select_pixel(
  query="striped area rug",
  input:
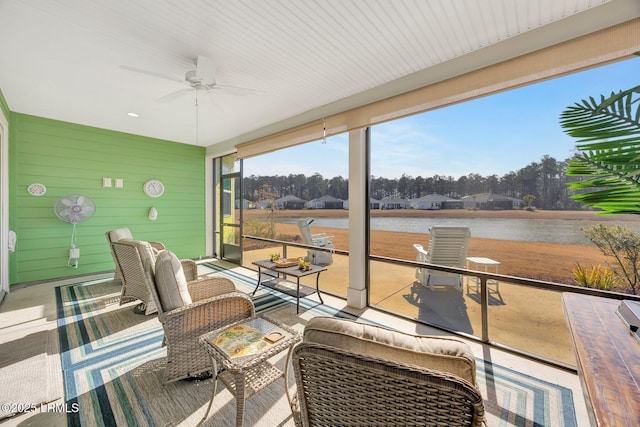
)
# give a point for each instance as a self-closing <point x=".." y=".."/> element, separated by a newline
<point x="113" y="362"/>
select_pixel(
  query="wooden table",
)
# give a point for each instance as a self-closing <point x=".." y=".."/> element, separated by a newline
<point x="294" y="289"/>
<point x="608" y="359"/>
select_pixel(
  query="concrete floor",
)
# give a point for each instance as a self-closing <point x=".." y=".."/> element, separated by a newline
<point x="29" y="310"/>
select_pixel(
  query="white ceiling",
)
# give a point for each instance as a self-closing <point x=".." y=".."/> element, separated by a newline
<point x="304" y="59"/>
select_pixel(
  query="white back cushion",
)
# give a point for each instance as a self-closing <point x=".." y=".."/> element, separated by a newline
<point x="171" y="282"/>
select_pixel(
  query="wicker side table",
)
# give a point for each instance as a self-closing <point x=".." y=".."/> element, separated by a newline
<point x="239" y="355"/>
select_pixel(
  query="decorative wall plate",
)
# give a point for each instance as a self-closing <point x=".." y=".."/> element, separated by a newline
<point x="36" y="189"/>
<point x="153" y="188"/>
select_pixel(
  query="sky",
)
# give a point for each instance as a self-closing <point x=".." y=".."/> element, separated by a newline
<point x="495" y="134"/>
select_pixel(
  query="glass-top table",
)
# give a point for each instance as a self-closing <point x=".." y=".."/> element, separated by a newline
<point x="240" y="353"/>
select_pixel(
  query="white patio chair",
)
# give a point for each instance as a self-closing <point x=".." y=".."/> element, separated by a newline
<point x="447" y="247"/>
<point x="320" y="240"/>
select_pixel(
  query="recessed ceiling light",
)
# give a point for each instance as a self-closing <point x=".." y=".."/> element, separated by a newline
<point x="132" y="115"/>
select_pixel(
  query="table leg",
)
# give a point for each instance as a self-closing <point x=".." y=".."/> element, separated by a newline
<point x="259" y="279"/>
<point x="290" y="399"/>
<point x="215" y="389"/>
<point x="474" y="279"/>
<point x="286" y="375"/>
<point x="318" y="288"/>
<point x="298" y="296"/>
<point x="239" y="380"/>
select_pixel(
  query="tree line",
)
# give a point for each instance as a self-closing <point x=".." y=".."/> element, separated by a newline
<point x="546" y="180"/>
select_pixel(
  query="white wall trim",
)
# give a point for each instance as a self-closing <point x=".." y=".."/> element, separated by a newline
<point x="4" y="203"/>
<point x="208" y="208"/>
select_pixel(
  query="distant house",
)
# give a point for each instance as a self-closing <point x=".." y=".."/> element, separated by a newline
<point x="429" y="202"/>
<point x="517" y="203"/>
<point x="325" y="202"/>
<point x="314" y="204"/>
<point x="264" y="204"/>
<point x="453" y="204"/>
<point x="289" y="202"/>
<point x="373" y="204"/>
<point x="246" y="204"/>
<point x="487" y="201"/>
<point x="390" y="202"/>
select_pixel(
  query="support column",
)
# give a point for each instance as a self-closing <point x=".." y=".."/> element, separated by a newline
<point x="211" y="246"/>
<point x="358" y="205"/>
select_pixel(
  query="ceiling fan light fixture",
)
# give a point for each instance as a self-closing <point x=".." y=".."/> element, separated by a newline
<point x="197" y="82"/>
<point x="190" y="76"/>
<point x="133" y="115"/>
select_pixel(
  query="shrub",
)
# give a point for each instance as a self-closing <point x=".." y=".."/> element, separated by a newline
<point x="289" y="238"/>
<point x="597" y="277"/>
<point x="257" y="228"/>
<point x="623" y="247"/>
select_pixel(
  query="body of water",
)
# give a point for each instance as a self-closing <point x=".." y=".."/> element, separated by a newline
<point x="532" y="230"/>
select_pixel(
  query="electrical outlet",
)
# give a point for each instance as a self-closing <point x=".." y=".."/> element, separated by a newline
<point x="74" y="253"/>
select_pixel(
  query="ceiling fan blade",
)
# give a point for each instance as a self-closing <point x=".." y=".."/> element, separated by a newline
<point x="212" y="103"/>
<point x="151" y="73"/>
<point x="174" y="95"/>
<point x="235" y="90"/>
<point x="205" y="69"/>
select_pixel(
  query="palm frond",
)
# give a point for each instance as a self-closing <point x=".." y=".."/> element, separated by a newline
<point x="615" y="97"/>
<point x="616" y="126"/>
<point x="608" y="136"/>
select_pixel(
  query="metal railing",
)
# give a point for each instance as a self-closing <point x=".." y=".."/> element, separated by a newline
<point x="483" y="278"/>
<point x="295" y="245"/>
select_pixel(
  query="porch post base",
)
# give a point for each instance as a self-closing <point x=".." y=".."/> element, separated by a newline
<point x="356" y="298"/>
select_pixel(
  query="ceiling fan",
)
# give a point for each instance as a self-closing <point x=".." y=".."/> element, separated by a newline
<point x="202" y="79"/>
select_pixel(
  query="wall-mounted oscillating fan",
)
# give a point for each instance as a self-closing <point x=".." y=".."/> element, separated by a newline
<point x="74" y="208"/>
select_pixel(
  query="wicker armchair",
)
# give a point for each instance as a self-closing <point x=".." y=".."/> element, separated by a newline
<point x="351" y="374"/>
<point x="133" y="291"/>
<point x="186" y="309"/>
<point x="189" y="310"/>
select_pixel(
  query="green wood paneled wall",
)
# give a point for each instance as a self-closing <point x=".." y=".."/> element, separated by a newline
<point x="72" y="159"/>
